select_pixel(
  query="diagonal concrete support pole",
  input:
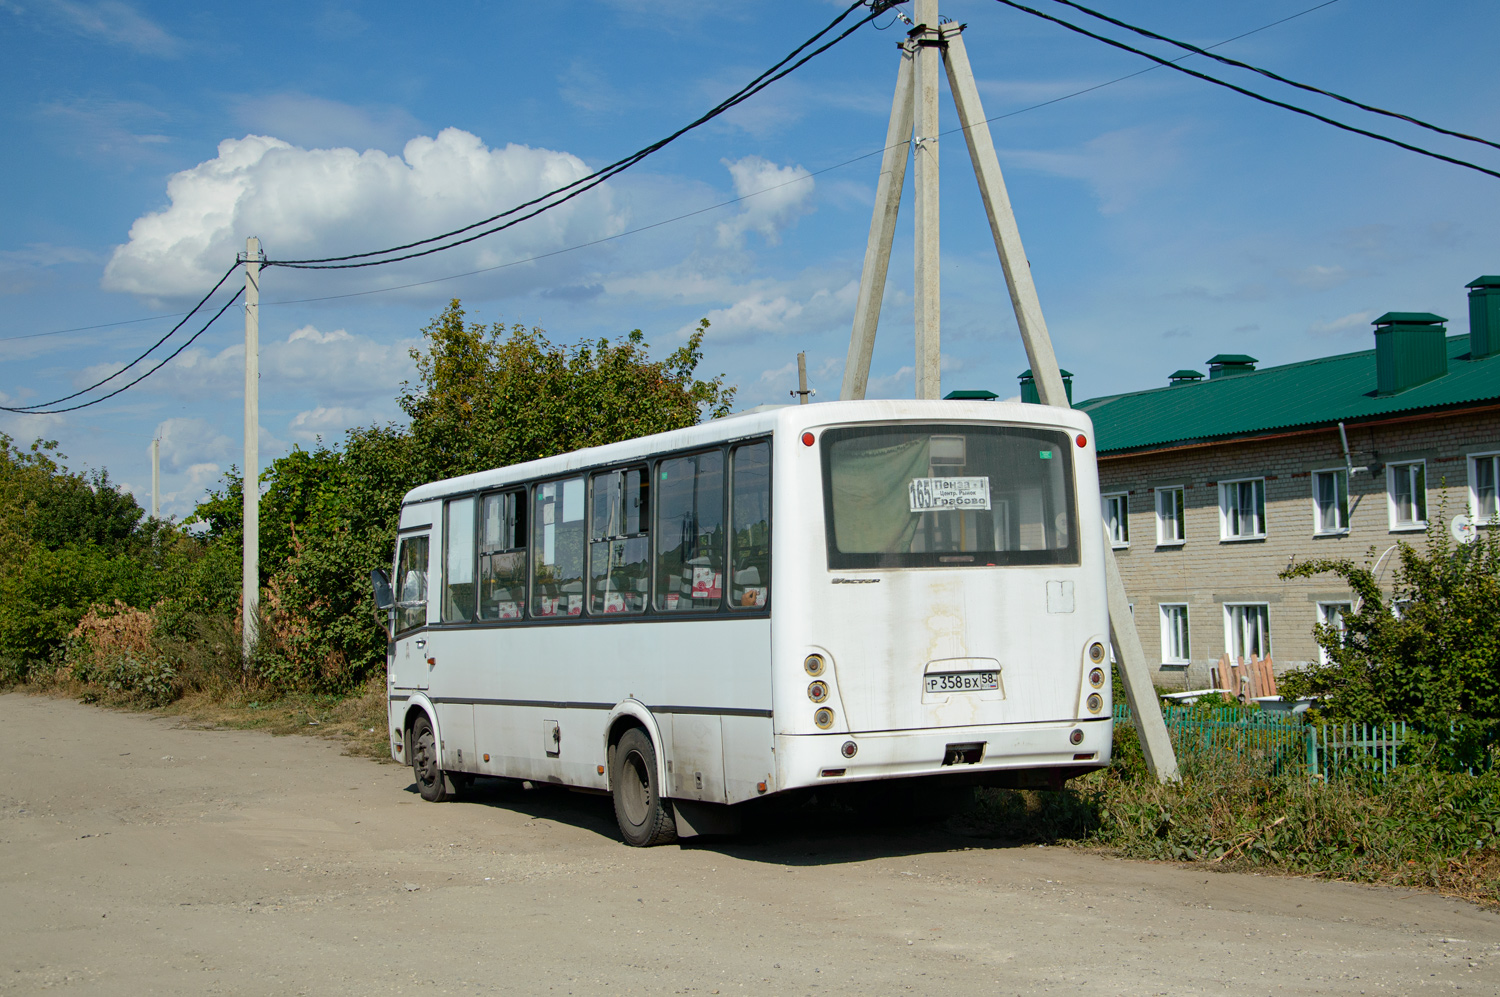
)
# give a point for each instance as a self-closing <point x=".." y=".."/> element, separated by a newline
<point x="1145" y="709"/>
<point x="882" y="230"/>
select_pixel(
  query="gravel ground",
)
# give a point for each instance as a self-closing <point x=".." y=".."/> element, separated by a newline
<point x="140" y="857"/>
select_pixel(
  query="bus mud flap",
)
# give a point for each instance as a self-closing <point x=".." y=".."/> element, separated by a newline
<point x="695" y="817"/>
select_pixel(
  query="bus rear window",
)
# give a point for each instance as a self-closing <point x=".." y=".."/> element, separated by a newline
<point x="948" y="496"/>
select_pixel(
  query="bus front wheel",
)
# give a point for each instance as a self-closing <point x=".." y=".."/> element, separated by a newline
<point x="432" y="782"/>
<point x="644" y="817"/>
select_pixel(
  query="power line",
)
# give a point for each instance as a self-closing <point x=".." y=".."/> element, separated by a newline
<point x="88" y="328"/>
<point x="1252" y="94"/>
<point x="31" y="409"/>
<point x="1280" y="79"/>
<point x="586" y="183"/>
<point x="143" y="356"/>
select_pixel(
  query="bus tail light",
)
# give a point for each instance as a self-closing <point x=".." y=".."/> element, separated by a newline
<point x="814" y="664"/>
<point x="817" y="691"/>
<point x="850" y="749"/>
<point x="1096" y="652"/>
<point x="823" y="718"/>
<point x="1096" y="678"/>
<point x="1076" y="737"/>
<point x="1095" y="702"/>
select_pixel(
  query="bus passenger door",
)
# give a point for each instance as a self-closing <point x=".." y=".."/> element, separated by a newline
<point x="408" y="667"/>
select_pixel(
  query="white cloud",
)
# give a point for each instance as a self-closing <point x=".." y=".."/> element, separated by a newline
<point x="190" y="442"/>
<point x="779" y="313"/>
<point x="118" y="24"/>
<point x="320" y="202"/>
<point x="1118" y="165"/>
<point x="316" y="122"/>
<point x="1317" y="277"/>
<point x="776" y="196"/>
<point x="1353" y="322"/>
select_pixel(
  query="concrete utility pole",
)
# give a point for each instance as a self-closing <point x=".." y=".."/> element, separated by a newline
<point x="801" y="391"/>
<point x="250" y="576"/>
<point x="156" y="479"/>
<point x="929" y="54"/>
<point x="930" y="41"/>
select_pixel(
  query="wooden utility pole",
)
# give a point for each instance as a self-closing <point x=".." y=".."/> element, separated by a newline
<point x="929" y="42"/>
<point x="801" y="391"/>
<point x="250" y="574"/>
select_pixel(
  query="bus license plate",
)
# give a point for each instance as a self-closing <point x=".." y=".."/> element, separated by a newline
<point x="963" y="681"/>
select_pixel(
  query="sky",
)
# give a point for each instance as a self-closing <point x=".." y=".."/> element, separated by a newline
<point x="1165" y="219"/>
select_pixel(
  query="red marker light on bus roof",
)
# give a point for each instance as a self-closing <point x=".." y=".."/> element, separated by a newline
<point x="1083" y="441"/>
<point x="807" y="439"/>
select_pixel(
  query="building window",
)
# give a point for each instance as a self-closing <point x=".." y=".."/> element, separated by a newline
<point x="1247" y="630"/>
<point x="1242" y="509"/>
<point x="1174" y="634"/>
<point x="1117" y="518"/>
<point x="1484" y="472"/>
<point x="1171" y="516"/>
<point x="1331" y="614"/>
<point x="1406" y="486"/>
<point x="1330" y="501"/>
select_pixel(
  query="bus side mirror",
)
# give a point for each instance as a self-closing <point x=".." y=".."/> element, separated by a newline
<point x="381" y="582"/>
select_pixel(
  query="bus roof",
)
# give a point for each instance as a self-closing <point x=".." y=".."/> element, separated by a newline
<point x="790" y="419"/>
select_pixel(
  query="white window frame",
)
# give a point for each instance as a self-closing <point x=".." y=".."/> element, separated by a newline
<point x="1391" y="470"/>
<point x="1163" y="539"/>
<point x="1229" y="629"/>
<point x="1224" y="515"/>
<point x="1118" y="539"/>
<point x="1167" y="613"/>
<point x="1324" y="614"/>
<point x="1318" y="530"/>
<point x="1492" y="457"/>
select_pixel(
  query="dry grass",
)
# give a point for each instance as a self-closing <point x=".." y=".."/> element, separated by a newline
<point x="358" y="721"/>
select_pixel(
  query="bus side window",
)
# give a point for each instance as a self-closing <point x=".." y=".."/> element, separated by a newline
<point x="557" y="539"/>
<point x="458" y="561"/>
<point x="690" y="532"/>
<point x="619" y="547"/>
<point x="502" y="556"/>
<point x="750" y="526"/>
<point x="411" y="584"/>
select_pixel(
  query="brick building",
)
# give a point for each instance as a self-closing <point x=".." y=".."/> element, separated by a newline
<point x="1213" y="485"/>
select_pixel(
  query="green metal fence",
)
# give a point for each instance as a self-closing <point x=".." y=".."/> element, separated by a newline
<point x="1281" y="741"/>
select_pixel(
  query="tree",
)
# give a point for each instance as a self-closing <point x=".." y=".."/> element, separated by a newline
<point x="1430" y="653"/>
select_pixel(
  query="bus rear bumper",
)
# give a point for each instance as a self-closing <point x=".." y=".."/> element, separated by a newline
<point x="1036" y="754"/>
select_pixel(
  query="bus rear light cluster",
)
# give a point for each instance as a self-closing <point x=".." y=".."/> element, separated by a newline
<point x="814" y="664"/>
<point x="1095" y="702"/>
<point x="850" y="749"/>
<point x="817" y="691"/>
<point x="823" y="718"/>
<point x="1096" y="678"/>
<point x="1096" y="652"/>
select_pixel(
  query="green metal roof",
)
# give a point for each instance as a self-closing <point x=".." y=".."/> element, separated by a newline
<point x="1317" y="392"/>
<point x="1232" y="358"/>
<point x="1409" y="318"/>
<point x="1187" y="375"/>
<point x="1027" y="373"/>
<point x="1490" y="281"/>
<point x="971" y="394"/>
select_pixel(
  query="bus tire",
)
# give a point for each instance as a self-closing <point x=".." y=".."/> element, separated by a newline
<point x="645" y="818"/>
<point x="432" y="781"/>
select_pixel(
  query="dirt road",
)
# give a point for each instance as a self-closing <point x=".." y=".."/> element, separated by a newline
<point x="138" y="858"/>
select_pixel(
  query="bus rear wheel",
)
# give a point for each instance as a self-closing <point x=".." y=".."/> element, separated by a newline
<point x="432" y="781"/>
<point x="645" y="818"/>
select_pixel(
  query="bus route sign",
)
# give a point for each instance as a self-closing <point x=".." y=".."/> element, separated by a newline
<point x="943" y="494"/>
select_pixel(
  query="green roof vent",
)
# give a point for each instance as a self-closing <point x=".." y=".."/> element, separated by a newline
<point x="1230" y="365"/>
<point x="1410" y="349"/>
<point x="1484" y="317"/>
<point x="1028" y="386"/>
<point x="1184" y="376"/>
<point x="971" y="396"/>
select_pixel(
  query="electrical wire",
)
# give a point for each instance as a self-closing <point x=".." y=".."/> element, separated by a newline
<point x="1252" y="94"/>
<point x="588" y="182"/>
<point x="143" y="356"/>
<point x="30" y="410"/>
<point x="1280" y="79"/>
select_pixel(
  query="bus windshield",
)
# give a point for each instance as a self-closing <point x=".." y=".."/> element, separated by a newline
<point x="948" y="496"/>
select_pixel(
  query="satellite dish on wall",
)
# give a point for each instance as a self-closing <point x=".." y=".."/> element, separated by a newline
<point x="1463" y="529"/>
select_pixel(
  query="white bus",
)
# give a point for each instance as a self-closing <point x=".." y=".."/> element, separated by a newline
<point x="817" y="595"/>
